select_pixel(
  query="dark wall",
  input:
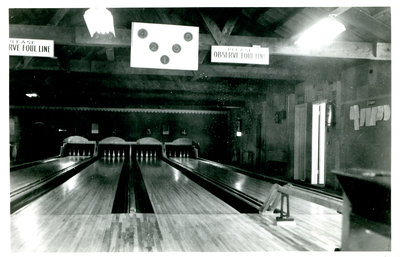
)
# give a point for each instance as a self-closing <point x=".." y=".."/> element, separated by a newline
<point x="39" y="135"/>
<point x="265" y="130"/>
<point x="366" y="85"/>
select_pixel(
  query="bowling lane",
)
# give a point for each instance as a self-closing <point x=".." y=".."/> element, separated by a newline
<point x="171" y="192"/>
<point x="25" y="176"/>
<point x="91" y="191"/>
<point x="256" y="188"/>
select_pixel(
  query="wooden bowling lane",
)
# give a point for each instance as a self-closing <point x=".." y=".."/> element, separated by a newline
<point x="31" y="233"/>
<point x="26" y="176"/>
<point x="256" y="188"/>
<point x="91" y="191"/>
<point x="172" y="192"/>
<point x="259" y="189"/>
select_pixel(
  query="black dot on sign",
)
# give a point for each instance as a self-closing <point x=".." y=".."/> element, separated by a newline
<point x="176" y="48"/>
<point x="188" y="36"/>
<point x="164" y="59"/>
<point x="142" y="33"/>
<point x="153" y="46"/>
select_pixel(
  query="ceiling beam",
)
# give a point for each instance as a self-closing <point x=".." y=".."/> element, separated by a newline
<point x="54" y="21"/>
<point x="205" y="71"/>
<point x="363" y="21"/>
<point x="58" y="16"/>
<point x="228" y="28"/>
<point x="167" y="17"/>
<point x="339" y="11"/>
<point x="212" y="27"/>
<point x="220" y="37"/>
<point x="126" y="84"/>
<point x="277" y="46"/>
<point x="202" y="56"/>
<point x="289" y="14"/>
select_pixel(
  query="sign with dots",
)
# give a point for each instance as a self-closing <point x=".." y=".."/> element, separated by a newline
<point x="160" y="46"/>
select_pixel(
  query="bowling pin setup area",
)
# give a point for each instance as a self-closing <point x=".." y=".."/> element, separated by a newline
<point x="121" y="196"/>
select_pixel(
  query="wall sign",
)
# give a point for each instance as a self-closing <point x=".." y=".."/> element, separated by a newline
<point x="162" y="46"/>
<point x="240" y="54"/>
<point x="31" y="47"/>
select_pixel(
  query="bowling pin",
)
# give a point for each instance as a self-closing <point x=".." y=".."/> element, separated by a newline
<point x="84" y="154"/>
<point x="70" y="152"/>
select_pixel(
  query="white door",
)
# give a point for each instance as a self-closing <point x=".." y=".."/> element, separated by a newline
<point x="318" y="143"/>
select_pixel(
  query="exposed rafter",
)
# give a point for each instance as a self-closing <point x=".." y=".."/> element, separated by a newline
<point x="79" y="36"/>
<point x="220" y="37"/>
<point x="205" y="71"/>
<point x="363" y="21"/>
<point x="54" y="21"/>
<point x="212" y="27"/>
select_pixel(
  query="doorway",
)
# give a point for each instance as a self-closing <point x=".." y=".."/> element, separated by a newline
<point x="318" y="143"/>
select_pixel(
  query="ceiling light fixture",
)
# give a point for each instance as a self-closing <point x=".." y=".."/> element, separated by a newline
<point x="99" y="20"/>
<point x="320" y="34"/>
<point x="32" y="95"/>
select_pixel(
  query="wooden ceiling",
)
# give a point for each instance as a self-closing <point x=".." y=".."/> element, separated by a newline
<point x="96" y="72"/>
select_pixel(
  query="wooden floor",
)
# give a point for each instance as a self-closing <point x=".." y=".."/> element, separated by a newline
<point x="25" y="176"/>
<point x="91" y="191"/>
<point x="187" y="219"/>
<point x="172" y="232"/>
<point x="259" y="189"/>
<point x="172" y="192"/>
<point x="256" y="188"/>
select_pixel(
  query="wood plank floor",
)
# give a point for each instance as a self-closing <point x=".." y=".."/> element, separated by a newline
<point x="91" y="191"/>
<point x="203" y="223"/>
<point x="172" y="232"/>
<point x="172" y="192"/>
<point x="22" y="177"/>
<point x="256" y="188"/>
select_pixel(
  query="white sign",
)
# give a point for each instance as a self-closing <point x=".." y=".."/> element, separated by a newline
<point x="31" y="47"/>
<point x="164" y="46"/>
<point x="240" y="54"/>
